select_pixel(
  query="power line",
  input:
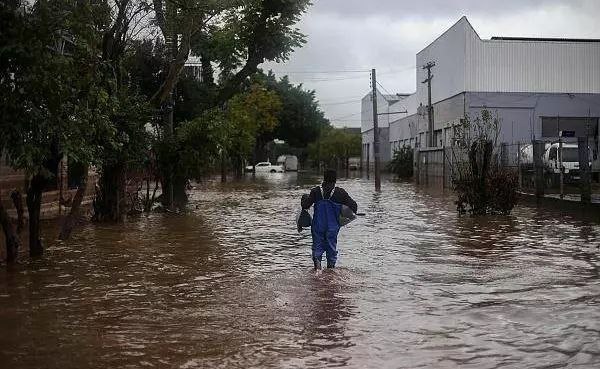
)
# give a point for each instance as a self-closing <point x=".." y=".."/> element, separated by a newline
<point x="346" y="116"/>
<point x="340" y="71"/>
<point x="331" y="79"/>
<point x="341" y="102"/>
<point x="384" y="89"/>
<point x="326" y="101"/>
<point x="322" y="71"/>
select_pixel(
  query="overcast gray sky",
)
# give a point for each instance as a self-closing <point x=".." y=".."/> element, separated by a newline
<point x="350" y="35"/>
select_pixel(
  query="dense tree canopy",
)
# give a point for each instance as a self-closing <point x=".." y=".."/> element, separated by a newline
<point x="301" y="119"/>
<point x="104" y="84"/>
<point x="334" y="147"/>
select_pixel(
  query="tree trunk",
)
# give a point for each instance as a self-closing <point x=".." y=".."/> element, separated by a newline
<point x="150" y="200"/>
<point x="239" y="167"/>
<point x="17" y="199"/>
<point x="74" y="215"/>
<point x="180" y="197"/>
<point x="34" y="204"/>
<point x="223" y="168"/>
<point x="110" y="204"/>
<point x="12" y="240"/>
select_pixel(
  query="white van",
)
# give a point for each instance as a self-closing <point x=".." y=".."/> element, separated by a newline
<point x="289" y="162"/>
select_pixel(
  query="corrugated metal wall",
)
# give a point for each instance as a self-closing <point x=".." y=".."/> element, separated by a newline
<point x="532" y="66"/>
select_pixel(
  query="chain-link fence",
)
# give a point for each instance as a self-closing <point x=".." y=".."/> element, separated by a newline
<point x="567" y="169"/>
<point x="555" y="168"/>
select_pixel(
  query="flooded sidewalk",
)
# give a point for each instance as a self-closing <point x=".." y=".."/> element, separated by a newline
<point x="231" y="285"/>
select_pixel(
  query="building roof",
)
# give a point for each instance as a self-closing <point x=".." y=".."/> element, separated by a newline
<point x="543" y="39"/>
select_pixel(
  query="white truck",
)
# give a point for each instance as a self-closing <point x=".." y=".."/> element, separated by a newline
<point x="551" y="159"/>
<point x="289" y="162"/>
<point x="265" y="167"/>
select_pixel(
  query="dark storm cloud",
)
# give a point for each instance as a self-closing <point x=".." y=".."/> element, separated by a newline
<point x="386" y="34"/>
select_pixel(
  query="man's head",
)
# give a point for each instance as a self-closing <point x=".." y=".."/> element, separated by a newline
<point x="329" y="176"/>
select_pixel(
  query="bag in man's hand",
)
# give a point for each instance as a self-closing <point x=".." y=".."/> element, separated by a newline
<point x="303" y="219"/>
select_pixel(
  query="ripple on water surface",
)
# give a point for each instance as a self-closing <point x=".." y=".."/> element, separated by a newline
<point x="230" y="285"/>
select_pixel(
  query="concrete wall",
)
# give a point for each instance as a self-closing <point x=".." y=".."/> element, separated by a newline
<point x="385" y="104"/>
<point x="11" y="179"/>
<point x="447" y="113"/>
<point x="532" y="66"/>
<point x="465" y="62"/>
<point x="520" y="114"/>
<point x="449" y="73"/>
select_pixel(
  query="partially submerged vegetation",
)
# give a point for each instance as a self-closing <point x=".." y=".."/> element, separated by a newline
<point x="104" y="85"/>
<point x="402" y="163"/>
<point x="482" y="186"/>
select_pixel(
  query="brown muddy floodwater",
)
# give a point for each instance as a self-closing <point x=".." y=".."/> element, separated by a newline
<point x="229" y="285"/>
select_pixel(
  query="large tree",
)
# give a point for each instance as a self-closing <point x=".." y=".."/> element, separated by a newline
<point x="54" y="104"/>
<point x="301" y="118"/>
<point x="126" y="149"/>
<point x="231" y="38"/>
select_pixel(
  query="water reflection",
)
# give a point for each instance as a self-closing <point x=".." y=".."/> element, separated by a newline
<point x="230" y="285"/>
<point x="328" y="310"/>
<point x="486" y="237"/>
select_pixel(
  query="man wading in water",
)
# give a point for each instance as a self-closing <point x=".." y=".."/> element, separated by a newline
<point x="328" y="200"/>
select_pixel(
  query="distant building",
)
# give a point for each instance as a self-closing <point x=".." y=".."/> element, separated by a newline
<point x="193" y="68"/>
<point x="537" y="86"/>
<point x="386" y="105"/>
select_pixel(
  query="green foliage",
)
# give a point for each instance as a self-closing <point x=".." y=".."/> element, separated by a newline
<point x="198" y="144"/>
<point x="251" y="32"/>
<point x="334" y="147"/>
<point x="54" y="101"/>
<point x="402" y="163"/>
<point x="301" y="119"/>
<point x="481" y="185"/>
<point x="249" y="116"/>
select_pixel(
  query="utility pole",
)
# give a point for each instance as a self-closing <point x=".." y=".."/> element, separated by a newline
<point x="375" y="131"/>
<point x="428" y="66"/>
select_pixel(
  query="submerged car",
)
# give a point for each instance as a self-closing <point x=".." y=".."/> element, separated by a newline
<point x="265" y="167"/>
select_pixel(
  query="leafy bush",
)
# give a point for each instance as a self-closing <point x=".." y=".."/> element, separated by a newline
<point x="502" y="184"/>
<point x="402" y="163"/>
<point x="481" y="184"/>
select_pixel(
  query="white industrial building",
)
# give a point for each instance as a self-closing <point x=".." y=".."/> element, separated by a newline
<point x="387" y="105"/>
<point x="536" y="86"/>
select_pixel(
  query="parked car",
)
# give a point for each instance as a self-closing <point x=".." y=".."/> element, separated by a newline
<point x="289" y="163"/>
<point x="265" y="167"/>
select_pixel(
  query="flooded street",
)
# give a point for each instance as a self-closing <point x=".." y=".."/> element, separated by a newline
<point x="231" y="285"/>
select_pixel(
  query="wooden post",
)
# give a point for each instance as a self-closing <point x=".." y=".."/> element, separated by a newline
<point x="520" y="172"/>
<point x="417" y="171"/>
<point x="368" y="159"/>
<point x="376" y="148"/>
<point x="443" y="167"/>
<point x="584" y="169"/>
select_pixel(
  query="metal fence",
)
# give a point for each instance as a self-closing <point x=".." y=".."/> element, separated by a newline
<point x="567" y="170"/>
<point x="433" y="166"/>
<point x="551" y="168"/>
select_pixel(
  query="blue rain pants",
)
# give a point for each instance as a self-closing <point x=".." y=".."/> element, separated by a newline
<point x="325" y="228"/>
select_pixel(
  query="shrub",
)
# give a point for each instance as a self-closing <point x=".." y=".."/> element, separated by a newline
<point x="402" y="163"/>
<point x="481" y="184"/>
